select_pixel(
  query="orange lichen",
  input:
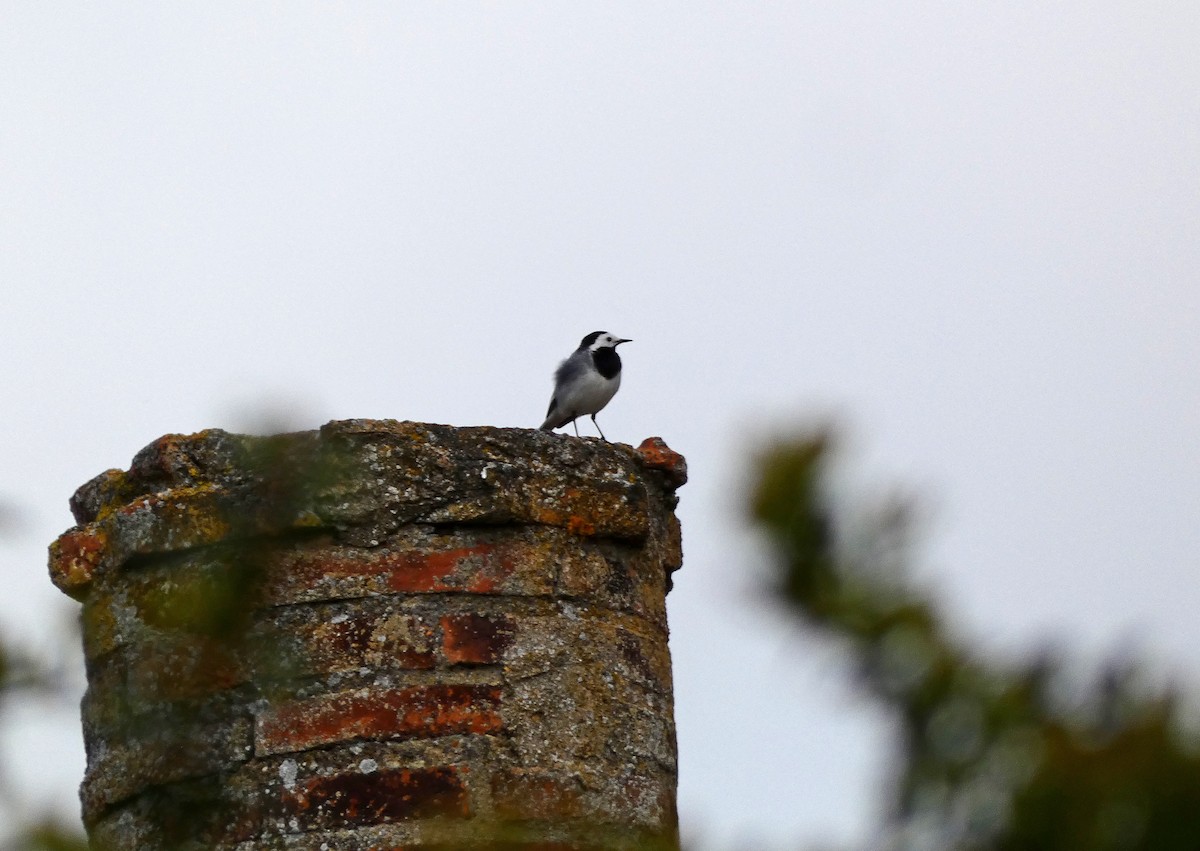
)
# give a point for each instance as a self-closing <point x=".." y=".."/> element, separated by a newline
<point x="74" y="558"/>
<point x="658" y="456"/>
<point x="577" y="525"/>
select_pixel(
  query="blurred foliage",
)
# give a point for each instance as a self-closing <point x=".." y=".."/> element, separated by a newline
<point x="22" y="676"/>
<point x="50" y="836"/>
<point x="25" y="676"/>
<point x="992" y="755"/>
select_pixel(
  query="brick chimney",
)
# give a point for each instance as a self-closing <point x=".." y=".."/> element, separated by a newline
<point x="379" y="635"/>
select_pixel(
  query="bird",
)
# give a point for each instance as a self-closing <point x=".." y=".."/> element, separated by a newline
<point x="585" y="382"/>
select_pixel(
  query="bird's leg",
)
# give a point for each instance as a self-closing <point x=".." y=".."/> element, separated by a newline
<point x="576" y="424"/>
<point x="597" y="425"/>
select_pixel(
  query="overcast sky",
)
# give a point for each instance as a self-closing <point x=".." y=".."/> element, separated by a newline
<point x="970" y="232"/>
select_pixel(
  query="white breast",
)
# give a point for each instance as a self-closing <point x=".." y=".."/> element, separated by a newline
<point x="589" y="394"/>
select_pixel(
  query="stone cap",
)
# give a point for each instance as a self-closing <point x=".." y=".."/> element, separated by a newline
<point x="362" y="479"/>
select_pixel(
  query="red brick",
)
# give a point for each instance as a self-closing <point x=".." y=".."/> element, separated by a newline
<point x="472" y="639"/>
<point x="477" y="569"/>
<point x="357" y="799"/>
<point x="417" y="571"/>
<point x="377" y="713"/>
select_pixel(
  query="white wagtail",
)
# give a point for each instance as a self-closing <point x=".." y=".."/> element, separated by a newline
<point x="585" y="382"/>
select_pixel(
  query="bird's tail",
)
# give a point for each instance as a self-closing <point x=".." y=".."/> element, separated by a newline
<point x="554" y="417"/>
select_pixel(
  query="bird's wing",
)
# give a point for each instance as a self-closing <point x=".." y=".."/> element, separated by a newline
<point x="567" y="371"/>
<point x="571" y="368"/>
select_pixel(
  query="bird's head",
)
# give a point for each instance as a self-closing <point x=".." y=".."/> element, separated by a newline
<point x="597" y="340"/>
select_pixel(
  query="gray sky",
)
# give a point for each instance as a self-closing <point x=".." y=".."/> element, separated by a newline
<point x="969" y="231"/>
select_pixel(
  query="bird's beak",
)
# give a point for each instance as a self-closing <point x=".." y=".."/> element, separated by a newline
<point x="619" y="342"/>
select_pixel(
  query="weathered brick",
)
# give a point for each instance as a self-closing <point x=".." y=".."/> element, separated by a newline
<point x="75" y="557"/>
<point x="413" y="563"/>
<point x="582" y="575"/>
<point x="646" y="798"/>
<point x="621" y="577"/>
<point x="98" y="622"/>
<point x="472" y="639"/>
<point x="181" y="667"/>
<point x="534" y="794"/>
<point x="172" y="521"/>
<point x="316" y="640"/>
<point x="658" y="456"/>
<point x="166" y="755"/>
<point x="644" y="661"/>
<point x="379" y="635"/>
<point x="644" y="734"/>
<point x="355" y="798"/>
<point x="105" y="710"/>
<point x="477" y="569"/>
<point x="378" y="713"/>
